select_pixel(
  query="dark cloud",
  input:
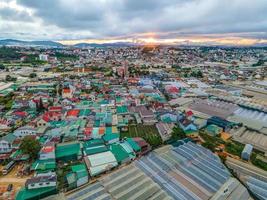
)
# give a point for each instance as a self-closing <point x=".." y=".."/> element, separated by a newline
<point x="109" y="18"/>
<point x="14" y="15"/>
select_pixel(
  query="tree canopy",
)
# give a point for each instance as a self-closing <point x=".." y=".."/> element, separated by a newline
<point x="30" y="146"/>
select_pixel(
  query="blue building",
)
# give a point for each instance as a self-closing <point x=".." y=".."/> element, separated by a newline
<point x="246" y="153"/>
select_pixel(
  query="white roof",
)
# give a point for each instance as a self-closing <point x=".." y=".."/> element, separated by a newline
<point x="101" y="162"/>
<point x="101" y="159"/>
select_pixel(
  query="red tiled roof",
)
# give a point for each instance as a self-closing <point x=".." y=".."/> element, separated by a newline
<point x="47" y="149"/>
<point x="189" y="113"/>
<point x="46" y="118"/>
<point x="88" y="131"/>
<point x="22" y="114"/>
<point x="55" y="108"/>
<point x="74" y="113"/>
<point x="66" y="90"/>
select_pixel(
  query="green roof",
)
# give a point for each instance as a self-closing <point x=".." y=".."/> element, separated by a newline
<point x="188" y="132"/>
<point x="68" y="149"/>
<point x="44" y="165"/>
<point x="34" y="194"/>
<point x="80" y="170"/>
<point x="122" y="109"/>
<point x="109" y="137"/>
<point x="71" y="178"/>
<point x="9" y="137"/>
<point x="213" y="129"/>
<point x="133" y="144"/>
<point x="84" y="112"/>
<point x="119" y="153"/>
<point x="18" y="155"/>
<point x="94" y="146"/>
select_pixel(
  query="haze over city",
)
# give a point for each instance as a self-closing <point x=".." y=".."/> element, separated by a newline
<point x="204" y="22"/>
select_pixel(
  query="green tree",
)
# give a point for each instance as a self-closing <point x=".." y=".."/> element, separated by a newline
<point x="177" y="134"/>
<point x="199" y="74"/>
<point x="30" y="146"/>
<point x="2" y="66"/>
<point x="40" y="105"/>
<point x="33" y="75"/>
<point x="10" y="78"/>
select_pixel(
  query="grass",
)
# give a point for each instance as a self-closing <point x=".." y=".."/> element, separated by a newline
<point x="147" y="132"/>
<point x="211" y="142"/>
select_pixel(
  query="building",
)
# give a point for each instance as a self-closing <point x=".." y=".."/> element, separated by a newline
<point x="47" y="152"/>
<point x="6" y="143"/>
<point x="24" y="131"/>
<point x="247" y="151"/>
<point x="78" y="176"/>
<point x="43" y="57"/>
<point x="226" y="125"/>
<point x="41" y="181"/>
<point x="128" y="182"/>
<point x="38" y="187"/>
<point x="68" y="151"/>
<point x="165" y="130"/>
<point x="214" y="130"/>
<point x="100" y="162"/>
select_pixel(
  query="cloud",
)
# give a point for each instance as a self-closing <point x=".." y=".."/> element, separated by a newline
<point x="81" y="19"/>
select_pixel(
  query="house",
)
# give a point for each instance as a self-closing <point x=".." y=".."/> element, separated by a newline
<point x="74" y="113"/>
<point x="247" y="151"/>
<point x="39" y="193"/>
<point x="120" y="153"/>
<point x="187" y="124"/>
<point x="122" y="110"/>
<point x="94" y="146"/>
<point x="78" y="176"/>
<point x="100" y="162"/>
<point x="226" y="125"/>
<point x="200" y="122"/>
<point x="42" y="181"/>
<point x="6" y="143"/>
<point x="68" y="151"/>
<point x="134" y="145"/>
<point x="67" y="93"/>
<point x="145" y="147"/>
<point x="111" y="138"/>
<point x="147" y="117"/>
<point x="47" y="152"/>
<point x="214" y="130"/>
<point x="43" y="122"/>
<point x="165" y="130"/>
<point x="168" y="118"/>
<point x="41" y="166"/>
<point x="24" y="131"/>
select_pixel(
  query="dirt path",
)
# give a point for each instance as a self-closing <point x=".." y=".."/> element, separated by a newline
<point x="12" y="180"/>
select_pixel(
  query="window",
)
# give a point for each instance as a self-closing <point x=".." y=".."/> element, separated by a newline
<point x="47" y="183"/>
<point x="40" y="183"/>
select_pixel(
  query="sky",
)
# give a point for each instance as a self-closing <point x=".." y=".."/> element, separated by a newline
<point x="230" y="22"/>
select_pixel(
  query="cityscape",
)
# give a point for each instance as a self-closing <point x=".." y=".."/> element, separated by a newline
<point x="143" y="101"/>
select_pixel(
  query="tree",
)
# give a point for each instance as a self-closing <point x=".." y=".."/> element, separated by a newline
<point x="199" y="74"/>
<point x="30" y="146"/>
<point x="177" y="134"/>
<point x="33" y="75"/>
<point x="10" y="78"/>
<point x="40" y="105"/>
<point x="2" y="66"/>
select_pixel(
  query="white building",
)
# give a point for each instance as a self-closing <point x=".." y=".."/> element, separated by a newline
<point x="6" y="143"/>
<point x="43" y="57"/>
<point x="24" y="131"/>
<point x="42" y="181"/>
<point x="47" y="152"/>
